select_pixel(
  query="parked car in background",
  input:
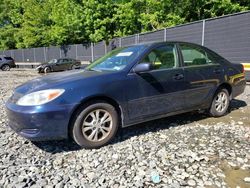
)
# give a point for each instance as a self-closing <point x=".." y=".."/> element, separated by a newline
<point x="59" y="65"/>
<point x="127" y="86"/>
<point x="6" y="63"/>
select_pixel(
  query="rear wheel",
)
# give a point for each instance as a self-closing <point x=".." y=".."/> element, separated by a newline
<point x="5" y="67"/>
<point x="220" y="103"/>
<point x="94" y="125"/>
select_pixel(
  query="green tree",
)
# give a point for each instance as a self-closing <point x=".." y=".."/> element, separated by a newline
<point x="98" y="16"/>
<point x="35" y="23"/>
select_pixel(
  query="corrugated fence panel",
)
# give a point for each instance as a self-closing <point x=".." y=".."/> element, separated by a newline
<point x="53" y="53"/>
<point x="72" y="51"/>
<point x="28" y="55"/>
<point x="7" y="53"/>
<point x="84" y="52"/>
<point x="230" y="37"/>
<point x="187" y="33"/>
<point x="114" y="43"/>
<point x="99" y="50"/>
<point x="126" y="41"/>
<point x="157" y="36"/>
<point x="18" y="55"/>
<point x="40" y="55"/>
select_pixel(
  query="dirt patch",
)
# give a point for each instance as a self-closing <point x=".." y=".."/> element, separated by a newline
<point x="235" y="176"/>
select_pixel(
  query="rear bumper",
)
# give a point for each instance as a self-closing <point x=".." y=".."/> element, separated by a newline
<point x="238" y="89"/>
<point x="39" y="123"/>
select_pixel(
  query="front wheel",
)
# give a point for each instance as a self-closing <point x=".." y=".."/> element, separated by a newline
<point x="46" y="70"/>
<point x="220" y="103"/>
<point x="94" y="125"/>
<point x="73" y="67"/>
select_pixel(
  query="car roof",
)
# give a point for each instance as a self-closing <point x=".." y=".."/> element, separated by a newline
<point x="169" y="42"/>
<point x="150" y="44"/>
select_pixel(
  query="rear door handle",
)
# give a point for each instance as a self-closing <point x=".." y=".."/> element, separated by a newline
<point x="178" y="76"/>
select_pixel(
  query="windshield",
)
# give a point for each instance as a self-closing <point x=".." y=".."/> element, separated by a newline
<point x="52" y="61"/>
<point x="117" y="59"/>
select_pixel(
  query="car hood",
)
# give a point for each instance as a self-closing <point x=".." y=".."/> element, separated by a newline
<point x="55" y="80"/>
<point x="45" y="63"/>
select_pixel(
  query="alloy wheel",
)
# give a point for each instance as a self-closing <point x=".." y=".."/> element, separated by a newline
<point x="221" y="101"/>
<point x="97" y="125"/>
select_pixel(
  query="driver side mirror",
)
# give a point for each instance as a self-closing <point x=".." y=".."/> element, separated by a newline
<point x="142" y="67"/>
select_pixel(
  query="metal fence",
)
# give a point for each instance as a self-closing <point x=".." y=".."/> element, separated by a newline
<point x="227" y="35"/>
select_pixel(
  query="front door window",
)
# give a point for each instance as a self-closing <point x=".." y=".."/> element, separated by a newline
<point x="163" y="57"/>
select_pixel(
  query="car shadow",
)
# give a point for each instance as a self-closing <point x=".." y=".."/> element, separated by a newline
<point x="136" y="130"/>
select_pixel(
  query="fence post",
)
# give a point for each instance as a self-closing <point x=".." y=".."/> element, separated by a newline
<point x="76" y="50"/>
<point x="60" y="50"/>
<point x="22" y="55"/>
<point x="120" y="42"/>
<point x="203" y="32"/>
<point x="105" y="47"/>
<point x="92" y="51"/>
<point x="44" y="53"/>
<point x="165" y="35"/>
<point x="34" y="54"/>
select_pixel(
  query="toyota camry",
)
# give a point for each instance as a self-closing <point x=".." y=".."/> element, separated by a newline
<point x="127" y="86"/>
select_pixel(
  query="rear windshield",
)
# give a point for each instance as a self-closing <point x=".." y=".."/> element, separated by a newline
<point x="8" y="58"/>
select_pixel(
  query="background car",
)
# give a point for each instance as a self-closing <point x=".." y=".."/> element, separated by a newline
<point x="6" y="63"/>
<point x="127" y="86"/>
<point x="59" y="65"/>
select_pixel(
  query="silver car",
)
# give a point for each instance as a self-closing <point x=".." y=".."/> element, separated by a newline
<point x="6" y="63"/>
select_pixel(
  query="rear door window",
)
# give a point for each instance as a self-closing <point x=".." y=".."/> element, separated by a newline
<point x="193" y="55"/>
<point x="8" y="58"/>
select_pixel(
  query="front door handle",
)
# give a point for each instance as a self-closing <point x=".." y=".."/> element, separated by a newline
<point x="178" y="76"/>
<point x="217" y="71"/>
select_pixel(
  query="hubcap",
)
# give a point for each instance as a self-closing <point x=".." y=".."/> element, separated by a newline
<point x="221" y="102"/>
<point x="97" y="125"/>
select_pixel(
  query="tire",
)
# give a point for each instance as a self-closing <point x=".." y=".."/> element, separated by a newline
<point x="220" y="103"/>
<point x="90" y="130"/>
<point x="46" y="70"/>
<point x="73" y="67"/>
<point x="5" y="67"/>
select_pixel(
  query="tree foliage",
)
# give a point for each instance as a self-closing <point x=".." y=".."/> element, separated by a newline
<point x="35" y="23"/>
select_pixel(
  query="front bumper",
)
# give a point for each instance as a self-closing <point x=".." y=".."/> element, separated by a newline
<point x="39" y="123"/>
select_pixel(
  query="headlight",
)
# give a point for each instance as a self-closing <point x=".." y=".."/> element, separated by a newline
<point x="40" y="97"/>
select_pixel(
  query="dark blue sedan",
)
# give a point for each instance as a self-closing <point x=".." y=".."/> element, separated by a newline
<point x="127" y="86"/>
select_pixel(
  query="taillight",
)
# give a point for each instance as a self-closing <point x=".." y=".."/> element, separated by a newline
<point x="243" y="69"/>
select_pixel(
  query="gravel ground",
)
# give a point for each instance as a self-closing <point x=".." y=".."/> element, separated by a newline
<point x="189" y="150"/>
